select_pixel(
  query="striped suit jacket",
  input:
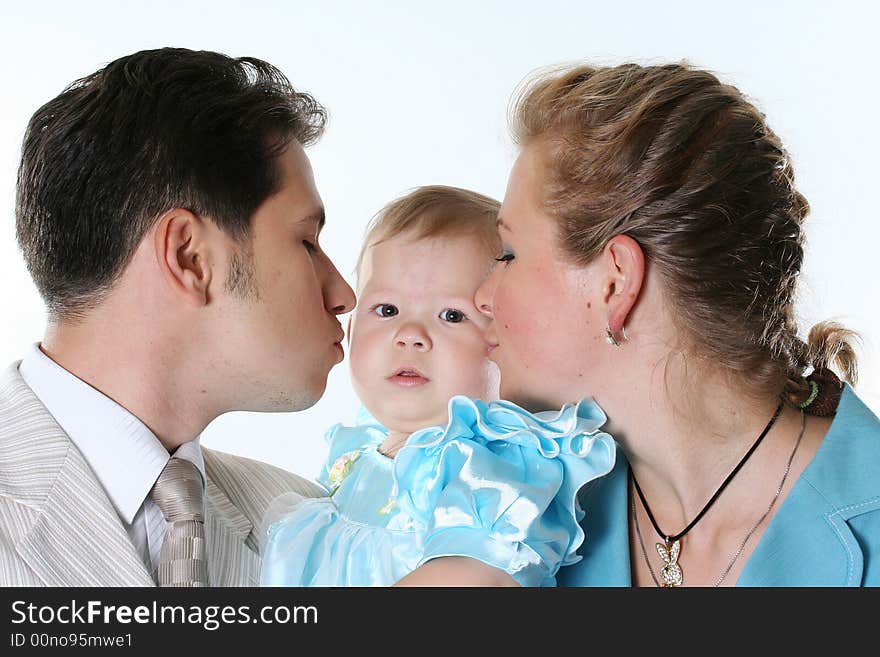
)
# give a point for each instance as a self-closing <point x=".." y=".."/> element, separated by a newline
<point x="59" y="528"/>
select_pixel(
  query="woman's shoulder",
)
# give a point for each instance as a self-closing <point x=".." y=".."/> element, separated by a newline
<point x="605" y="551"/>
<point x="854" y="416"/>
<point x="851" y="446"/>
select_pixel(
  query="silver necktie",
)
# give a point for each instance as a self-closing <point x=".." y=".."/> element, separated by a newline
<point x="178" y="494"/>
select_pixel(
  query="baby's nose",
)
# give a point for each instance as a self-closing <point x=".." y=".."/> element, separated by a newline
<point x="413" y="336"/>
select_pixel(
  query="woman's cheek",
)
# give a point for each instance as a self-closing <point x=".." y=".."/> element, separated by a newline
<point x="501" y="309"/>
<point x="516" y="311"/>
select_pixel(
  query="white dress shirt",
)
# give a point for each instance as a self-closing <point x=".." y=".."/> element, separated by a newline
<point x="124" y="454"/>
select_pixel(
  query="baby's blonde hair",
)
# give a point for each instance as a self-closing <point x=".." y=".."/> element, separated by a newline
<point x="435" y="211"/>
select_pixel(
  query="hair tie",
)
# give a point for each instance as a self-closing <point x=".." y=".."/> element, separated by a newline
<point x="813" y="394"/>
<point x="825" y="391"/>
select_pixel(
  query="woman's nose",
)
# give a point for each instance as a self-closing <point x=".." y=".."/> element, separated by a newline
<point x="485" y="294"/>
<point x="413" y="336"/>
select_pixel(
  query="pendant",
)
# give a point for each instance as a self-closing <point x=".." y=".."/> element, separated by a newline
<point x="671" y="572"/>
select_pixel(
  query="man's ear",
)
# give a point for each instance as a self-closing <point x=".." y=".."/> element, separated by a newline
<point x="182" y="250"/>
<point x="624" y="271"/>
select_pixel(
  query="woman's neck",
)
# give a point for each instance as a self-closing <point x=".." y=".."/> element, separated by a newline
<point x="683" y="439"/>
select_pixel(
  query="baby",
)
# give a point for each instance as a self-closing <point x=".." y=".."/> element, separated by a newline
<point x="436" y="466"/>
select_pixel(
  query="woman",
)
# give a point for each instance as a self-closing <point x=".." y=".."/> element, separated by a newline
<point x="652" y="244"/>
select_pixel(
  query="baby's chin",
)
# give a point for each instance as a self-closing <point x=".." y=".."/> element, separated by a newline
<point x="409" y="425"/>
<point x="406" y="422"/>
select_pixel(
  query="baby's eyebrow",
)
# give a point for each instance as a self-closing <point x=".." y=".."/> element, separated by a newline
<point x="460" y="301"/>
<point x="500" y="224"/>
<point x="387" y="295"/>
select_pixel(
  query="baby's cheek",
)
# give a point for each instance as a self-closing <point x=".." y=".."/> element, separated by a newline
<point x="490" y="380"/>
<point x="363" y="366"/>
<point x="478" y="377"/>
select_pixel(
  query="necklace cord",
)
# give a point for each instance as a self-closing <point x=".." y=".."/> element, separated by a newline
<point x="670" y="539"/>
<point x="742" y="546"/>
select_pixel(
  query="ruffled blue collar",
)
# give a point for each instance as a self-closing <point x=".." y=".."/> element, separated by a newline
<point x="567" y="431"/>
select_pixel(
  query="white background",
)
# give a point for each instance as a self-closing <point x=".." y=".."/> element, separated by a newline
<point x="418" y="94"/>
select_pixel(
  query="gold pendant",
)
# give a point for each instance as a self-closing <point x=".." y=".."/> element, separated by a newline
<point x="671" y="572"/>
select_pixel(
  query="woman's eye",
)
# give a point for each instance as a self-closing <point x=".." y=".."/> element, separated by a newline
<point x="310" y="247"/>
<point x="452" y="316"/>
<point x="505" y="257"/>
<point x="385" y="310"/>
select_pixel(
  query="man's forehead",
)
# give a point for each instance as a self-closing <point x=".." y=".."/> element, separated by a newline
<point x="297" y="181"/>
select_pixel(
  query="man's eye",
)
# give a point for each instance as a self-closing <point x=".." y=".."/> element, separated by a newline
<point x="505" y="257"/>
<point x="385" y="310"/>
<point x="310" y="247"/>
<point x="452" y="315"/>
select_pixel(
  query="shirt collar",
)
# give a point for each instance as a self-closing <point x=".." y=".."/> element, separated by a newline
<point x="125" y="456"/>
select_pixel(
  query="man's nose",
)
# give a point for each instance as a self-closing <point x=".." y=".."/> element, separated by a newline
<point x="339" y="298"/>
<point x="413" y="335"/>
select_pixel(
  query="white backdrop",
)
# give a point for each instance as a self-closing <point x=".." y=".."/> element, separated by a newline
<point x="418" y="94"/>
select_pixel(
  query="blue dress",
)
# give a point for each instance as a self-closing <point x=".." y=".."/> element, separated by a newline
<point x="497" y="484"/>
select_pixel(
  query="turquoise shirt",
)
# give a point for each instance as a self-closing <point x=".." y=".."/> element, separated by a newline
<point x="825" y="533"/>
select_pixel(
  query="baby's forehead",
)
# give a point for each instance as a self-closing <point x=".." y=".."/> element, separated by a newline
<point x="412" y="240"/>
<point x="435" y="258"/>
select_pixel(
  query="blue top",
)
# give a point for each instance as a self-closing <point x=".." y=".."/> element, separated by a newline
<point x="825" y="533"/>
<point x="496" y="484"/>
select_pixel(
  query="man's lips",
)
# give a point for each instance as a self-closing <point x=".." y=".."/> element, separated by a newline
<point x="338" y="344"/>
<point x="408" y="377"/>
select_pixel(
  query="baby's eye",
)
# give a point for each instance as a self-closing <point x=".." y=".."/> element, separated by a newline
<point x="506" y="257"/>
<point x="385" y="310"/>
<point x="452" y="315"/>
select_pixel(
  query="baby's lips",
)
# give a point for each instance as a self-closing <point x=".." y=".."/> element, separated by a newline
<point x="408" y="369"/>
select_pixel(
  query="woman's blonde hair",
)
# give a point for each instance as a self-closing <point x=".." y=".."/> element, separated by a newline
<point x="687" y="167"/>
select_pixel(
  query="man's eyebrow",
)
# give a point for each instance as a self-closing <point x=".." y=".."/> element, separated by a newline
<point x="316" y="217"/>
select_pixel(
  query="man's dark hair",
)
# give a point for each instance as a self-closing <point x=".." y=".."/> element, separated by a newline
<point x="149" y="132"/>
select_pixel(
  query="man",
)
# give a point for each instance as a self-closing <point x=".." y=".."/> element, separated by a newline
<point x="168" y="215"/>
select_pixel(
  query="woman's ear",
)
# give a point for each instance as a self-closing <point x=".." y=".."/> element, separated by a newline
<point x="624" y="270"/>
<point x="181" y="245"/>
